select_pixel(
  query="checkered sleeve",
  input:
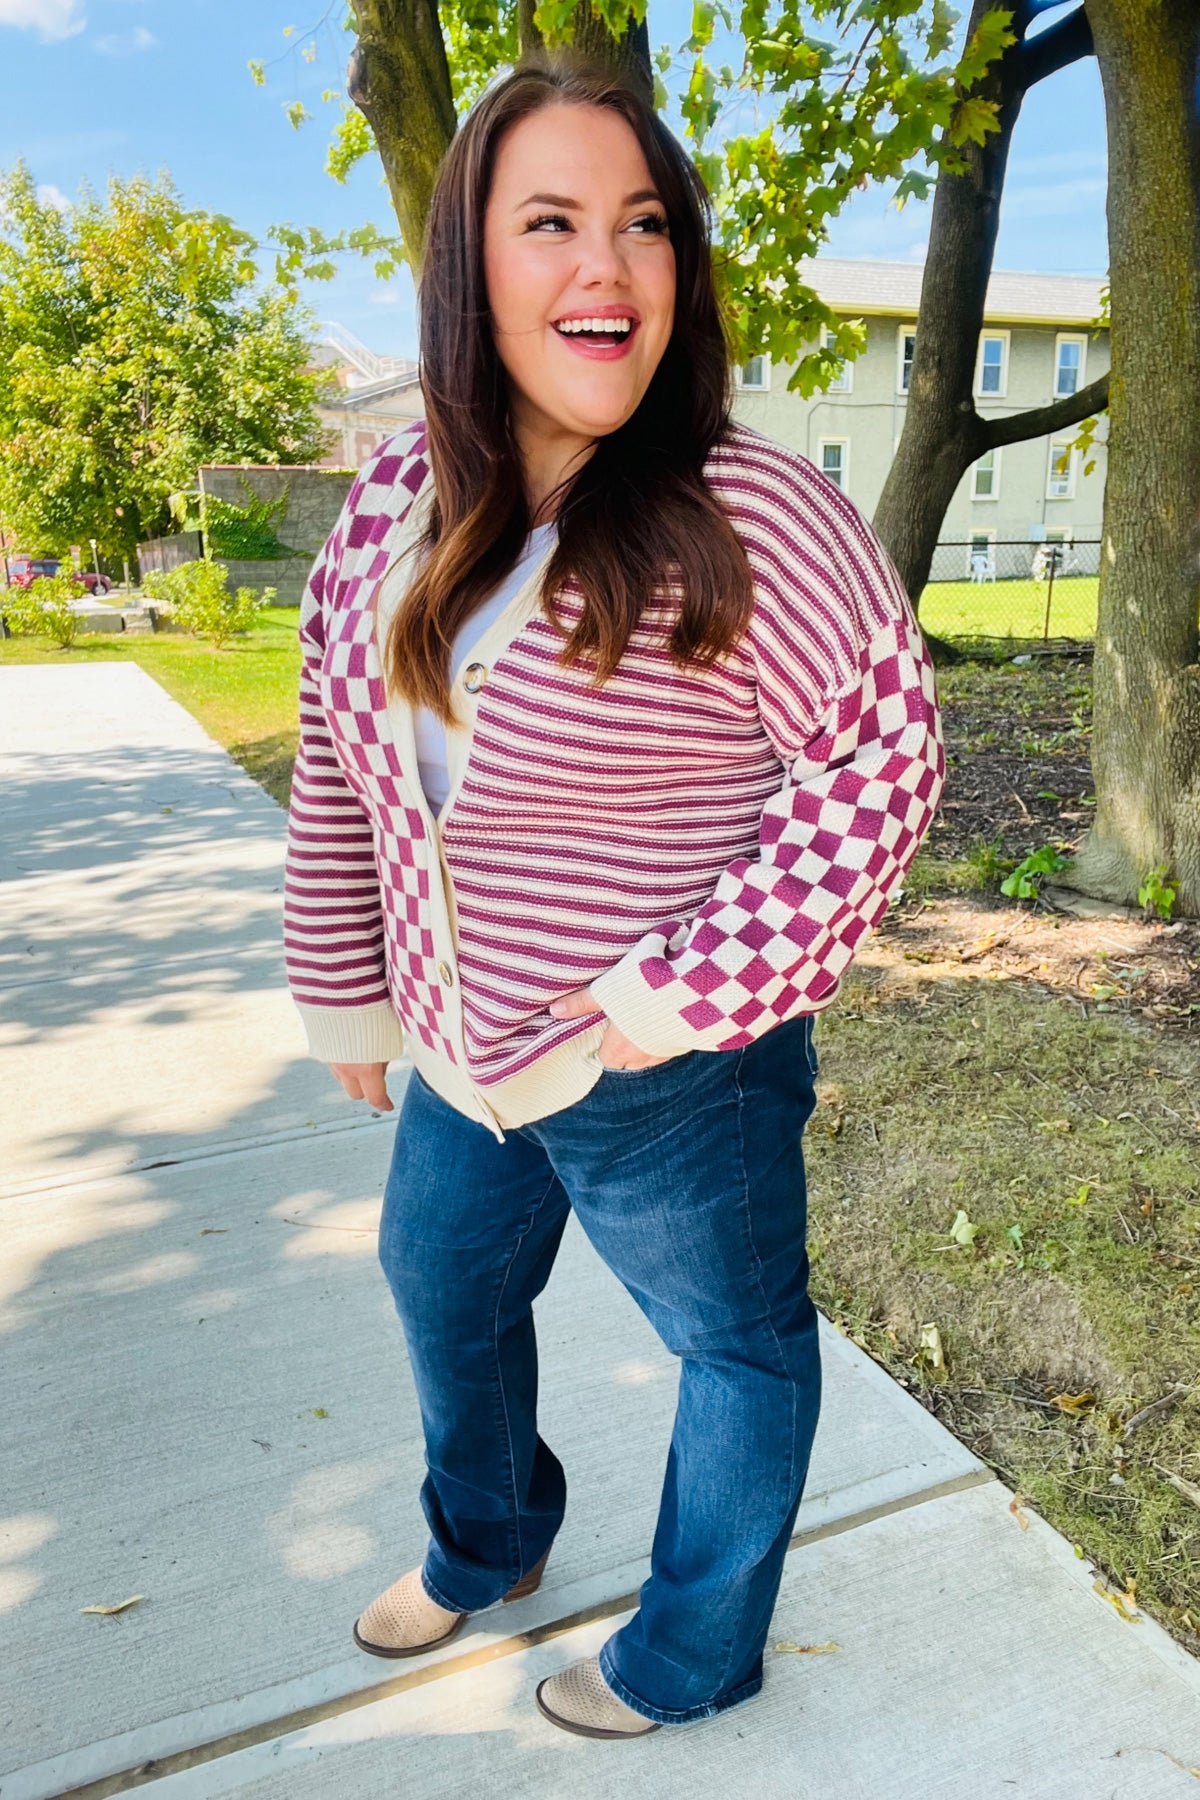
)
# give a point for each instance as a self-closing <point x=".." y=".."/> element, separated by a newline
<point x="863" y="774"/>
<point x="333" y="918"/>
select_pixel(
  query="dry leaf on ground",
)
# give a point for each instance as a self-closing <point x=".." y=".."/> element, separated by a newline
<point x="119" y="1607"/>
<point x="1016" y="1507"/>
<point x="807" y="1649"/>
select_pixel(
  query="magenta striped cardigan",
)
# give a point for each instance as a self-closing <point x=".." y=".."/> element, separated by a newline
<point x="707" y="848"/>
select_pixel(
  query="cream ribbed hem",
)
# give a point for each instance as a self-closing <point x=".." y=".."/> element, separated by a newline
<point x="554" y="1081"/>
<point x="345" y="1034"/>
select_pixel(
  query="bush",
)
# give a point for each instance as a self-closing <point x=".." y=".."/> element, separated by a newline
<point x="44" y="609"/>
<point x="197" y="595"/>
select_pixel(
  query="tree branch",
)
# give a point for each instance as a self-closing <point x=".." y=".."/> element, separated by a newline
<point x="1053" y="49"/>
<point x="1041" y="420"/>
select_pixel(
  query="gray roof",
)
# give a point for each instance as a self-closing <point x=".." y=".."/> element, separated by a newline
<point x="1019" y="296"/>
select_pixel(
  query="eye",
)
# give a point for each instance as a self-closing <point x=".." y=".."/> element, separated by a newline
<point x="650" y="224"/>
<point x="556" y="220"/>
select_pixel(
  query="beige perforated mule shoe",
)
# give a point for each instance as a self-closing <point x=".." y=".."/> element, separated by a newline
<point x="404" y="1621"/>
<point x="580" y="1700"/>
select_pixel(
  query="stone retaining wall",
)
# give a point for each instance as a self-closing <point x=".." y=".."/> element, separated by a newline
<point x="315" y="496"/>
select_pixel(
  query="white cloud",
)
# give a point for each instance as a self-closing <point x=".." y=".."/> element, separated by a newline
<point x="49" y="195"/>
<point x="53" y="20"/>
<point x="385" y="297"/>
<point x="125" y="43"/>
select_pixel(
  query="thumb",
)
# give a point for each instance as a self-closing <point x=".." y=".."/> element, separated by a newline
<point x="575" y="1006"/>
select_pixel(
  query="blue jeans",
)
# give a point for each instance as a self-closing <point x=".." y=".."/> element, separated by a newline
<point x="688" y="1177"/>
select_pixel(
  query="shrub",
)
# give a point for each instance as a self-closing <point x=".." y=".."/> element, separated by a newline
<point x="44" y="609"/>
<point x="197" y="594"/>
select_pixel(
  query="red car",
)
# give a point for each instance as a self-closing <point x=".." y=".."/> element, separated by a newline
<point x="23" y="571"/>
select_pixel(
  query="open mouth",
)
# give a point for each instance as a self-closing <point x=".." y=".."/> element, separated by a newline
<point x="599" y="331"/>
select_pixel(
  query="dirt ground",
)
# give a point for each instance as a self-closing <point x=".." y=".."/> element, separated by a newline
<point x="1018" y="778"/>
<point x="1005" y="1158"/>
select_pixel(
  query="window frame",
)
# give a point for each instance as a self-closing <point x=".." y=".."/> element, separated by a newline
<point x="903" y="331"/>
<point x="1069" y="337"/>
<point x="753" y="387"/>
<point x="987" y="499"/>
<point x="1072" y="465"/>
<point x="846" y="378"/>
<point x="835" y="438"/>
<point x="1004" y="338"/>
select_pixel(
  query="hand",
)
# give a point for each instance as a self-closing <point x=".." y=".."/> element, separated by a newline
<point x="365" y="1081"/>
<point x="615" y="1051"/>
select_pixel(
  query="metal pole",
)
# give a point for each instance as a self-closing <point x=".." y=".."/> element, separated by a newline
<point x="1052" y="557"/>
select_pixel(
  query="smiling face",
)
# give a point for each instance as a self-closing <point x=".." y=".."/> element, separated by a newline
<point x="580" y="275"/>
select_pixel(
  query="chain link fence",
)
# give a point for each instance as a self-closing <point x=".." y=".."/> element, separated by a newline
<point x="1013" y="590"/>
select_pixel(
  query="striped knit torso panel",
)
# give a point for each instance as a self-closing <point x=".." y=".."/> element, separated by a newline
<point x="724" y="835"/>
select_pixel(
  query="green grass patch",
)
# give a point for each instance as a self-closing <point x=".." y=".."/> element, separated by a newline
<point x="245" y="695"/>
<point x="1069" y="1296"/>
<point x="1010" y="609"/>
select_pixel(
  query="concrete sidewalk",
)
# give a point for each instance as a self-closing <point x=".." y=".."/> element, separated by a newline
<point x="208" y="1404"/>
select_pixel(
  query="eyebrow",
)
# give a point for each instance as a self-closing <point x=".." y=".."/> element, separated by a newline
<point x="575" y="205"/>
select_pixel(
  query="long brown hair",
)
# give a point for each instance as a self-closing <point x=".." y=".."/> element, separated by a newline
<point x="638" y="511"/>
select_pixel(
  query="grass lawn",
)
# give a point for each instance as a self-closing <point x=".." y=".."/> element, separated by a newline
<point x="244" y="695"/>
<point x="1007" y="1146"/>
<point x="1015" y="609"/>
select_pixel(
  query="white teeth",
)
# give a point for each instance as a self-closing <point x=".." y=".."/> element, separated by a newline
<point x="572" y="327"/>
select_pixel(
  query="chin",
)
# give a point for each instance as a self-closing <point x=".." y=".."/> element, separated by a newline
<point x="597" y="416"/>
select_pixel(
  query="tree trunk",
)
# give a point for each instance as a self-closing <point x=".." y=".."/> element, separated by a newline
<point x="1146" y="733"/>
<point x="943" y="433"/>
<point x="400" y="81"/>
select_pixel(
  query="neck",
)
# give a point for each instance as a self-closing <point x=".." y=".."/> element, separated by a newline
<point x="548" y="456"/>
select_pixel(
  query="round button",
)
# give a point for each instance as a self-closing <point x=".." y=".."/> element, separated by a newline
<point x="474" y="676"/>
<point x="446" y="973"/>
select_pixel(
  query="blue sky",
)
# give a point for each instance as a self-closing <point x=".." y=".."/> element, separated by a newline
<point x="99" y="86"/>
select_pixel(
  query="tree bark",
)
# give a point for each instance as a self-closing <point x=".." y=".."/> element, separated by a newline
<point x="400" y="81"/>
<point x="1146" y="731"/>
<point x="943" y="433"/>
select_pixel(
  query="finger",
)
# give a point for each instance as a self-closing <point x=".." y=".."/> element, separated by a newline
<point x="576" y="1005"/>
<point x="374" y="1090"/>
<point x="349" y="1082"/>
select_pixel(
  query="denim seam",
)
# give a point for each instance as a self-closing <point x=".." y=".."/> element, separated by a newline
<point x="757" y="1260"/>
<point x="514" y="1509"/>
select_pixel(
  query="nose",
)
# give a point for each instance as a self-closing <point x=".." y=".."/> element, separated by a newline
<point x="602" y="259"/>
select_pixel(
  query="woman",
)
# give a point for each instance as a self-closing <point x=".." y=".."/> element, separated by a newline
<point x="617" y="734"/>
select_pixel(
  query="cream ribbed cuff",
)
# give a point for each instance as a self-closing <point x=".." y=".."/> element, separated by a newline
<point x="647" y="1015"/>
<point x="345" y="1034"/>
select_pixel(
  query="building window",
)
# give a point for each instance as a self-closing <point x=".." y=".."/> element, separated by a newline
<point x="1069" y="357"/>
<point x="1060" y="481"/>
<point x="905" y="346"/>
<point x="841" y="383"/>
<point x="985" y="477"/>
<point x="991" y="376"/>
<point x="754" y="377"/>
<point x="835" y="460"/>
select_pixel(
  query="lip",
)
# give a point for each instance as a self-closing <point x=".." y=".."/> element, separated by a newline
<point x="598" y="352"/>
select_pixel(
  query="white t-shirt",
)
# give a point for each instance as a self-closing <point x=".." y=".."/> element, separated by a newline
<point x="431" y="733"/>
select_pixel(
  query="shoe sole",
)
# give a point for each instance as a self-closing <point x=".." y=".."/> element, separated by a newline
<point x="527" y="1585"/>
<point x="410" y="1649"/>
<point x="586" y="1731"/>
